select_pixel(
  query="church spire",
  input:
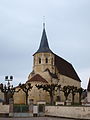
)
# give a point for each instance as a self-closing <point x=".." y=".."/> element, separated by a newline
<point x="43" y="25"/>
<point x="44" y="46"/>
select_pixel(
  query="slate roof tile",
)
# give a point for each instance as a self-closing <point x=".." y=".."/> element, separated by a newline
<point x="37" y="78"/>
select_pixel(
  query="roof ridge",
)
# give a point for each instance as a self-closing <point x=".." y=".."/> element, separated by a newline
<point x="38" y="78"/>
<point x="62" y="58"/>
<point x="66" y="68"/>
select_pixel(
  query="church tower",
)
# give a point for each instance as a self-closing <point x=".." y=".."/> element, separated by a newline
<point x="43" y="58"/>
<point x="49" y="68"/>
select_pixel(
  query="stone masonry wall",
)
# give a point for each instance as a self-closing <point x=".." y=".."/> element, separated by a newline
<point x="4" y="108"/>
<point x="68" y="111"/>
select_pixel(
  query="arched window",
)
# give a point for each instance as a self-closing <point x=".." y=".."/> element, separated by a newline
<point x="39" y="60"/>
<point x="46" y="60"/>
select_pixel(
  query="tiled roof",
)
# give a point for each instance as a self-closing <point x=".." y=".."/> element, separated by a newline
<point x="88" y="88"/>
<point x="37" y="78"/>
<point x="65" y="68"/>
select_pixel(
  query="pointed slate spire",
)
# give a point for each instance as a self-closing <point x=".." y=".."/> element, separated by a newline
<point x="44" y="46"/>
<point x="88" y="88"/>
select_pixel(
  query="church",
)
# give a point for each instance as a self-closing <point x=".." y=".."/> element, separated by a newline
<point x="48" y="68"/>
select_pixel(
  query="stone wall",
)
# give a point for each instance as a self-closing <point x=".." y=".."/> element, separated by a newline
<point x="40" y="67"/>
<point x="65" y="81"/>
<point x="88" y="96"/>
<point x="68" y="111"/>
<point x="38" y="94"/>
<point x="4" y="109"/>
<point x="19" y="97"/>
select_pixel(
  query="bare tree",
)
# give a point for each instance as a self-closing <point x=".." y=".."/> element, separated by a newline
<point x="50" y="88"/>
<point x="8" y="92"/>
<point x="73" y="91"/>
<point x="80" y="91"/>
<point x="26" y="88"/>
<point x="66" y="90"/>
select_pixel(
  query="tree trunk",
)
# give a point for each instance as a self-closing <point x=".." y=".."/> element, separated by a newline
<point x="80" y="99"/>
<point x="59" y="95"/>
<point x="66" y="97"/>
<point x="26" y="99"/>
<point x="51" y="99"/>
<point x="73" y="99"/>
<point x="5" y="98"/>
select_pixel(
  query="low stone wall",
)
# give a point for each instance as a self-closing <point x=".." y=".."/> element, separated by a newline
<point x="4" y="109"/>
<point x="68" y="112"/>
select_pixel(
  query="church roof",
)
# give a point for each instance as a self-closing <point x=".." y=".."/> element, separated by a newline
<point x="37" y="78"/>
<point x="65" y="68"/>
<point x="44" y="46"/>
<point x="88" y="88"/>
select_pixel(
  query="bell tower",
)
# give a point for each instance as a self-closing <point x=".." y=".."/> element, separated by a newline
<point x="44" y="57"/>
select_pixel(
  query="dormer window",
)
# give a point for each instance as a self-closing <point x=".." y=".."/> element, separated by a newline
<point x="46" y="60"/>
<point x="39" y="60"/>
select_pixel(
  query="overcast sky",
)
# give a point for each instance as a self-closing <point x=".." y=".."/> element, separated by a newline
<point x="68" y="32"/>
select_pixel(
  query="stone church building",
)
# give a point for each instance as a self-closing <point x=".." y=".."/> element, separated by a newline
<point x="49" y="68"/>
